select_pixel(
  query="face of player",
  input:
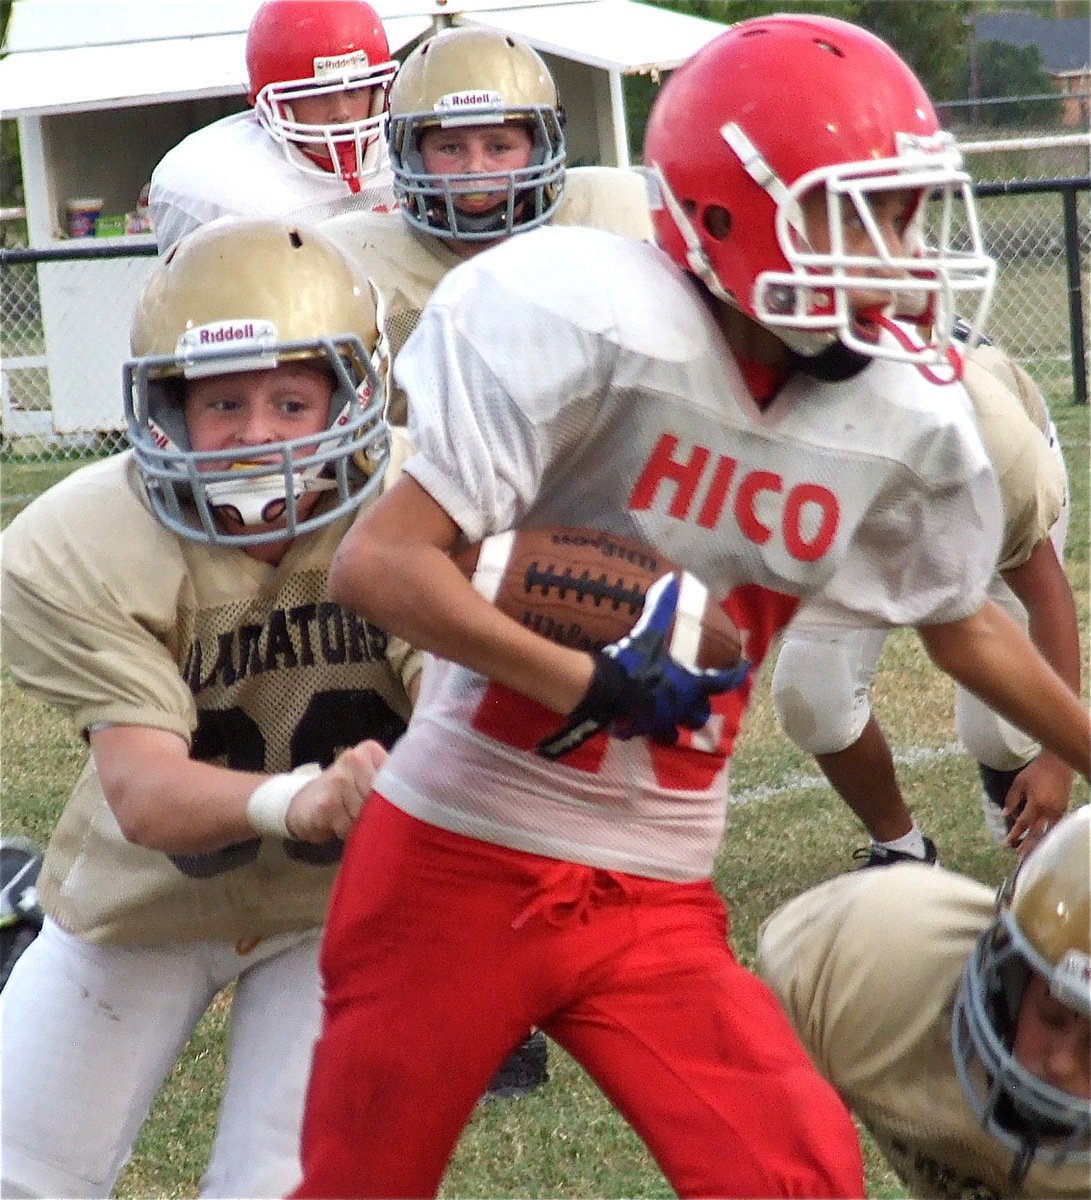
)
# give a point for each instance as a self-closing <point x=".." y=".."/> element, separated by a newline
<point x="341" y="107"/>
<point x="893" y="213"/>
<point x="251" y="409"/>
<point x="1052" y="1041"/>
<point x="476" y="150"/>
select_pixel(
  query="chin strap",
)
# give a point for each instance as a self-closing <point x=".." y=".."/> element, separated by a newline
<point x="902" y="337"/>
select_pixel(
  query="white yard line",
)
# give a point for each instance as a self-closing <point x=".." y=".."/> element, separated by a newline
<point x="800" y="782"/>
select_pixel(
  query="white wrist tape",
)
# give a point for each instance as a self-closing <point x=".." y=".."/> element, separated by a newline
<point x="267" y="808"/>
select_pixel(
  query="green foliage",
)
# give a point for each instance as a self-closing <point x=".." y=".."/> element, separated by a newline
<point x="932" y="37"/>
<point x="11" y="171"/>
<point x="1004" y="70"/>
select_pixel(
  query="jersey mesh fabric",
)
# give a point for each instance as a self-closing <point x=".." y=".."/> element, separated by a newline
<point x="877" y="488"/>
<point x="251" y="662"/>
<point x="232" y="167"/>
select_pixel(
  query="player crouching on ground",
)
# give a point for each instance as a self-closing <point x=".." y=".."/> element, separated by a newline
<point x="958" y="1029"/>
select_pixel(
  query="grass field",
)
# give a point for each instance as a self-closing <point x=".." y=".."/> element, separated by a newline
<point x="786" y="831"/>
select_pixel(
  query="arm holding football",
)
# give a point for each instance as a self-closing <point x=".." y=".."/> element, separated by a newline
<point x="638" y="689"/>
<point x="393" y="567"/>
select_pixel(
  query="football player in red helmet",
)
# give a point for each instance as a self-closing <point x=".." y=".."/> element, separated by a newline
<point x="802" y="204"/>
<point x="312" y="143"/>
<point x="545" y="832"/>
<point x="319" y="73"/>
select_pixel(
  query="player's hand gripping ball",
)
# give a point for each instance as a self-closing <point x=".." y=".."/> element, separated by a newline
<point x="662" y="648"/>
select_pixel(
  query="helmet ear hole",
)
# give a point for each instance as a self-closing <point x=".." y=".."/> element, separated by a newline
<point x="716" y="221"/>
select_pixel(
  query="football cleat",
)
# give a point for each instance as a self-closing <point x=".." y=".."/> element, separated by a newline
<point x="21" y="915"/>
<point x="996" y="785"/>
<point x="882" y="856"/>
<point x="523" y="1071"/>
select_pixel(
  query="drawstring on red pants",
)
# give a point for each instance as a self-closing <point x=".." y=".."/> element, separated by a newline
<point x="569" y="892"/>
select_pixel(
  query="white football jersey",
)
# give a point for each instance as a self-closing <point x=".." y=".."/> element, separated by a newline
<point x="1012" y="420"/>
<point x="572" y="377"/>
<point x="234" y="168"/>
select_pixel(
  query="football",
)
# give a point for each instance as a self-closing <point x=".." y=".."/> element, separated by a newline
<point x="584" y="588"/>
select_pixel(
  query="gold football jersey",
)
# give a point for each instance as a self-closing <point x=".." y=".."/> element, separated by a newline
<point x="114" y="620"/>
<point x="406" y="265"/>
<point x="1014" y="426"/>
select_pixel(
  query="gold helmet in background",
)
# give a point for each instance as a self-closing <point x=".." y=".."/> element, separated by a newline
<point x="464" y="77"/>
<point x="245" y="295"/>
<point x="1043" y="925"/>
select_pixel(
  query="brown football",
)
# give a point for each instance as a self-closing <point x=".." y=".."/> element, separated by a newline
<point x="585" y="588"/>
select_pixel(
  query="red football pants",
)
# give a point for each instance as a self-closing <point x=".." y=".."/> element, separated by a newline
<point x="440" y="954"/>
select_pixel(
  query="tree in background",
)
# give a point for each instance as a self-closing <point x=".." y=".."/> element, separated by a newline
<point x="11" y="174"/>
<point x="1015" y="71"/>
<point x="933" y="38"/>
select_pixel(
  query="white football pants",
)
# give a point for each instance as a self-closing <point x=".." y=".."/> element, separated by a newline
<point x="90" y="1032"/>
<point x="823" y="675"/>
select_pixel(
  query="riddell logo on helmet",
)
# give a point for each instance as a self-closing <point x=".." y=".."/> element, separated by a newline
<point x="457" y="100"/>
<point x="337" y="64"/>
<point x="245" y="344"/>
<point x="212" y="335"/>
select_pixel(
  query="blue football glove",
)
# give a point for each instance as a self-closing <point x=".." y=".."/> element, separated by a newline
<point x="638" y="690"/>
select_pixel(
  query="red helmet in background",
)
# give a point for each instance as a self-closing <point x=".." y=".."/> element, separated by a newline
<point x="300" y="49"/>
<point x="780" y="105"/>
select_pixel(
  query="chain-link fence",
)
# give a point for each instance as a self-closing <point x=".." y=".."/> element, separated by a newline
<point x="1042" y="251"/>
<point x="1035" y="214"/>
<point x="24" y="375"/>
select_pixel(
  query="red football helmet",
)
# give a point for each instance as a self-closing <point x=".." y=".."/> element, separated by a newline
<point x="780" y="105"/>
<point x="299" y="49"/>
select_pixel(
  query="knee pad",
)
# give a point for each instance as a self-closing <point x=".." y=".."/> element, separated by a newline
<point x="820" y="693"/>
<point x="990" y="739"/>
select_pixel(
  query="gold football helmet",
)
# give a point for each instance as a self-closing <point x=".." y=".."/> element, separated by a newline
<point x="245" y="295"/>
<point x="1043" y="924"/>
<point x="476" y="77"/>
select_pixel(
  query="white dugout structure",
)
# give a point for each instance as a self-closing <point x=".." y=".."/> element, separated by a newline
<point x="101" y="89"/>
